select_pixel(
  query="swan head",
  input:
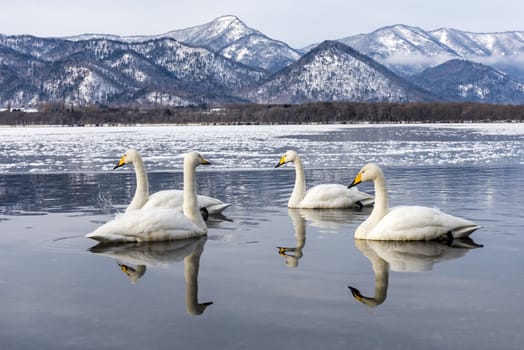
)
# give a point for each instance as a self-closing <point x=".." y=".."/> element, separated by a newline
<point x="195" y="159"/>
<point x="371" y="302"/>
<point x="130" y="156"/>
<point x="369" y="172"/>
<point x="133" y="273"/>
<point x="288" y="157"/>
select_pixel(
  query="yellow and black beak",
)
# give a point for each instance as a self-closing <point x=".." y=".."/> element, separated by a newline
<point x="205" y="161"/>
<point x="121" y="162"/>
<point x="358" y="179"/>
<point x="356" y="294"/>
<point x="281" y="162"/>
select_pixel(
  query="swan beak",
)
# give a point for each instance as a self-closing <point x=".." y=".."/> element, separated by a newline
<point x="205" y="161"/>
<point x="358" y="179"/>
<point x="281" y="162"/>
<point x="120" y="163"/>
<point x="356" y="293"/>
<point x="126" y="269"/>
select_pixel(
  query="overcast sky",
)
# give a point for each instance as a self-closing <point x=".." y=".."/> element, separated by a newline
<point x="298" y="23"/>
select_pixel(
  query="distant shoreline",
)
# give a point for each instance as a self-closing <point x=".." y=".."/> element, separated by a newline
<point x="254" y="114"/>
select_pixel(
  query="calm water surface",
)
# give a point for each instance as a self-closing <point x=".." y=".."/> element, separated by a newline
<point x="233" y="290"/>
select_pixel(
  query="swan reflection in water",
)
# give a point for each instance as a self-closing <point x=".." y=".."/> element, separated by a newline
<point x="328" y="220"/>
<point x="405" y="256"/>
<point x="134" y="258"/>
<point x="293" y="254"/>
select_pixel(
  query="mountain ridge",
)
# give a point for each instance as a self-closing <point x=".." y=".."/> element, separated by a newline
<point x="225" y="61"/>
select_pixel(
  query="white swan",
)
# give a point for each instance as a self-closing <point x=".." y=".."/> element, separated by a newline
<point x="325" y="196"/>
<point x="161" y="199"/>
<point x="405" y="223"/>
<point x="160" y="224"/>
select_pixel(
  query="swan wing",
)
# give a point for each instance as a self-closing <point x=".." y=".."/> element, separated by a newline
<point x="155" y="224"/>
<point x="334" y="196"/>
<point x="175" y="199"/>
<point x="409" y="223"/>
<point x="166" y="199"/>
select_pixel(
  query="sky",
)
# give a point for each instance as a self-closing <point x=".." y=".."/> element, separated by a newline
<point x="298" y="23"/>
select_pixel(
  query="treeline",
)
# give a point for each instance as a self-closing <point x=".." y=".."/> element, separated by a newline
<point x="328" y="112"/>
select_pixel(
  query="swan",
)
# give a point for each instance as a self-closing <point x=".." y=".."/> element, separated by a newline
<point x="324" y="196"/>
<point x="405" y="223"/>
<point x="160" y="224"/>
<point x="165" y="198"/>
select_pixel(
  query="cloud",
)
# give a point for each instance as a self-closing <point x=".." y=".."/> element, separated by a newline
<point x="417" y="59"/>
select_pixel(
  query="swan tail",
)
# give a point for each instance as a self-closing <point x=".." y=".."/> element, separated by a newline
<point x="367" y="202"/>
<point x="217" y="208"/>
<point x="464" y="231"/>
<point x="108" y="237"/>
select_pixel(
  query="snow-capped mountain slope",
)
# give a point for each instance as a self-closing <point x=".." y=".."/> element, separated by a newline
<point x="461" y="80"/>
<point x="401" y="48"/>
<point x="336" y="72"/>
<point x="232" y="38"/>
<point x="122" y="72"/>
<point x="225" y="61"/>
<point x="227" y="36"/>
<point x="396" y="40"/>
<point x="214" y="35"/>
<point x="481" y="44"/>
<point x="409" y="50"/>
<point x="259" y="51"/>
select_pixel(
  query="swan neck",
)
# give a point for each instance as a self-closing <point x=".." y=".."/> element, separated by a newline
<point x="190" y="206"/>
<point x="142" y="185"/>
<point x="299" y="191"/>
<point x="380" y="208"/>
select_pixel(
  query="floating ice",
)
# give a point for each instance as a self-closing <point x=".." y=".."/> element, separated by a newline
<point x="97" y="149"/>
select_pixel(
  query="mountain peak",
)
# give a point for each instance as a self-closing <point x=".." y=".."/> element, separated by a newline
<point x="335" y="72"/>
<point x="214" y="35"/>
<point x="227" y="20"/>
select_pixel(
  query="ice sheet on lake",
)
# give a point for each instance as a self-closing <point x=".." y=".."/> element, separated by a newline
<point x="90" y="149"/>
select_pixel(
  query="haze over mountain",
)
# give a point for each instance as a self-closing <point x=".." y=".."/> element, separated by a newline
<point x="461" y="80"/>
<point x="225" y="61"/>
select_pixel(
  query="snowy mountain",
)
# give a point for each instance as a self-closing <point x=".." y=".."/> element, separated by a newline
<point x="225" y="61"/>
<point x="409" y="50"/>
<point x="461" y="80"/>
<point x="335" y="72"/>
<point x="227" y="36"/>
<point x="104" y="71"/>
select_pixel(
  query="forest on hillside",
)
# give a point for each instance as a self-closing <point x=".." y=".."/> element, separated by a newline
<point x="324" y="112"/>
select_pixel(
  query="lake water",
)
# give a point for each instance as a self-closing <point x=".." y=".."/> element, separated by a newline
<point x="59" y="290"/>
